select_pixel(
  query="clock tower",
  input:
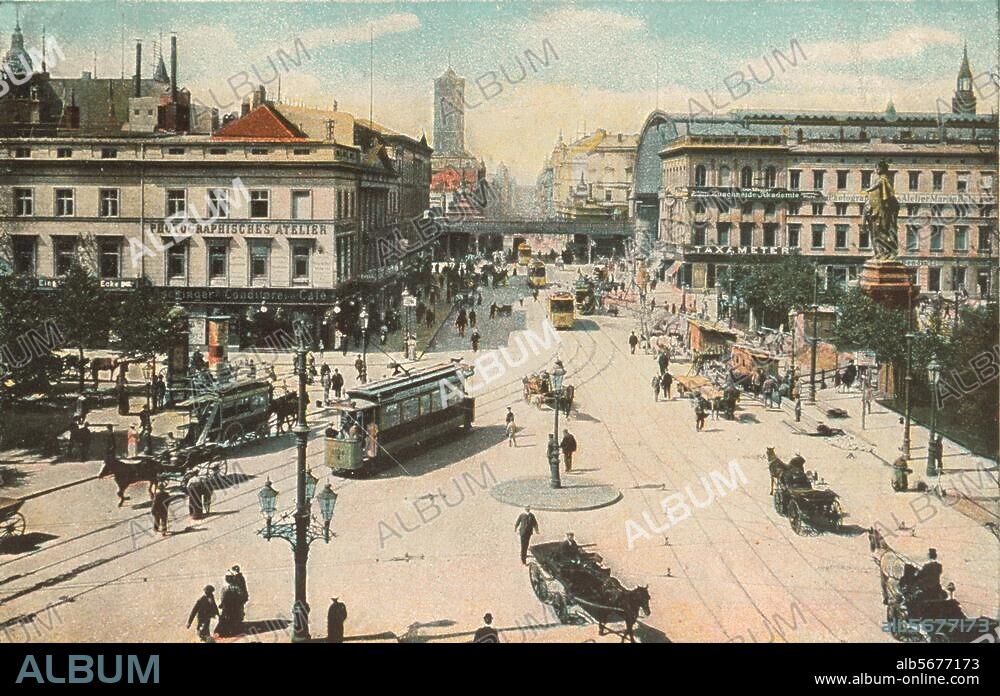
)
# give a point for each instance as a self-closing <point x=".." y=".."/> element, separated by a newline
<point x="964" y="101"/>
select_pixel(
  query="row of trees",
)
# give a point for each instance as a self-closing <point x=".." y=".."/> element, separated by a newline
<point x="79" y="314"/>
<point x="963" y="353"/>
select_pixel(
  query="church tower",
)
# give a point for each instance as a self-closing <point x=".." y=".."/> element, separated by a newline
<point x="964" y="101"/>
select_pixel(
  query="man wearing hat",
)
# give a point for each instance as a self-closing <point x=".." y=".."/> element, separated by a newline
<point x="336" y="615"/>
<point x="928" y="580"/>
<point x="486" y="634"/>
<point x="205" y="609"/>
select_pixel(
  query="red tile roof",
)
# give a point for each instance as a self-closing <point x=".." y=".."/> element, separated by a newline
<point x="265" y="123"/>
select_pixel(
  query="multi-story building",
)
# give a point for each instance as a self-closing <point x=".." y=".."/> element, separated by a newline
<point x="760" y="185"/>
<point x="455" y="173"/>
<point x="263" y="220"/>
<point x="591" y="178"/>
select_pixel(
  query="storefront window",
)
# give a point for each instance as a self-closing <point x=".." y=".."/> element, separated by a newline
<point x="110" y="250"/>
<point x="24" y="255"/>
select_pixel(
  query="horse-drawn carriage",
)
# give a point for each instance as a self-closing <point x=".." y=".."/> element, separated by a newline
<point x="537" y="389"/>
<point x="568" y="579"/>
<point x="178" y="466"/>
<point x="917" y="608"/>
<point x="12" y="522"/>
<point x="810" y="510"/>
<point x="237" y="412"/>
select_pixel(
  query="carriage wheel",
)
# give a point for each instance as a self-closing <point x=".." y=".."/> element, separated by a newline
<point x="897" y="622"/>
<point x="538" y="583"/>
<point x="797" y="524"/>
<point x="12" y="526"/>
<point x="218" y="467"/>
<point x="838" y="512"/>
<point x="233" y="434"/>
<point x="263" y="431"/>
<point x="559" y="605"/>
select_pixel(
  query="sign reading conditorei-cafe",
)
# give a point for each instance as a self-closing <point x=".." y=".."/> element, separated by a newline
<point x="168" y="227"/>
<point x="252" y="296"/>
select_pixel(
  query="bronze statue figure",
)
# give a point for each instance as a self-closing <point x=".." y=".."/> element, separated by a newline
<point x="880" y="214"/>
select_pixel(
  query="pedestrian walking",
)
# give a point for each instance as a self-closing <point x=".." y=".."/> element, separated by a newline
<point x="336" y="382"/>
<point x="336" y="615"/>
<point x="472" y="318"/>
<point x="525" y="526"/>
<point x="493" y="310"/>
<point x="110" y="448"/>
<point x="240" y="581"/>
<point x="359" y="365"/>
<point x="936" y="451"/>
<point x="666" y="381"/>
<point x="656" y="387"/>
<point x="486" y="634"/>
<point x="205" y="609"/>
<point x="475" y="340"/>
<point x="325" y="380"/>
<point x="121" y="394"/>
<point x="81" y="408"/>
<point x="132" y="446"/>
<point x="160" y="508"/>
<point x="867" y="396"/>
<point x="633" y="341"/>
<point x="568" y="447"/>
<point x="699" y="414"/>
<point x="511" y="434"/>
<point x="479" y="299"/>
<point x="663" y="361"/>
<point x="766" y="389"/>
<point x="231" y="612"/>
<point x="798" y="410"/>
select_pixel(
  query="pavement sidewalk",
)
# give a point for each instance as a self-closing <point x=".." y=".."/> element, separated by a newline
<point x="965" y="475"/>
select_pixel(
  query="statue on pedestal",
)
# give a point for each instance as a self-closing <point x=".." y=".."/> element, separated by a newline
<point x="879" y="217"/>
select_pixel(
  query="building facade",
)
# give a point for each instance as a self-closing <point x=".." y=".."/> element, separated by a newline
<point x="590" y="178"/>
<point x="761" y="185"/>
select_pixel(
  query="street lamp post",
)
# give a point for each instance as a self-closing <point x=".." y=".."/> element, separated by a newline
<point x="933" y="377"/>
<point x="147" y="374"/>
<point x="815" y="337"/>
<point x="729" y="310"/>
<point x="363" y="317"/>
<point x="558" y="375"/>
<point x="909" y="377"/>
<point x="299" y="533"/>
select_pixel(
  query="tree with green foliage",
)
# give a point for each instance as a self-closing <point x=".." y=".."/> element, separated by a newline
<point x="146" y="323"/>
<point x="863" y="324"/>
<point x="82" y="310"/>
<point x="774" y="289"/>
<point x="28" y="338"/>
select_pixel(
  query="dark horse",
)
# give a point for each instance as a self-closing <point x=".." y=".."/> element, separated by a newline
<point x="284" y="408"/>
<point x="125" y="474"/>
<point x="630" y="602"/>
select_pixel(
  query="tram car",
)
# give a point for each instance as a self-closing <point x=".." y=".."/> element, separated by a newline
<point x="586" y="302"/>
<point x="536" y="274"/>
<point x="562" y="310"/>
<point x="523" y="254"/>
<point x="378" y="423"/>
<point x="230" y="413"/>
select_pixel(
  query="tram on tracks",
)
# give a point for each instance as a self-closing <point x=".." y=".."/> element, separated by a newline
<point x="379" y="422"/>
<point x="523" y="254"/>
<point x="562" y="310"/>
<point x="536" y="274"/>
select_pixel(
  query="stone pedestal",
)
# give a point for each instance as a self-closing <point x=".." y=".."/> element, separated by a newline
<point x="888" y="283"/>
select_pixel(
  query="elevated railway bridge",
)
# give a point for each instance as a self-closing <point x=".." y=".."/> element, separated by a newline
<point x="583" y="237"/>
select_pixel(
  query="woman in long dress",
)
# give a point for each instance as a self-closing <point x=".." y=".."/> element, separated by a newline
<point x="372" y="444"/>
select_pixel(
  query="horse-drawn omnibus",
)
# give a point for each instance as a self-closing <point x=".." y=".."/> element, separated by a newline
<point x="379" y="421"/>
<point x="536" y="274"/>
<point x="235" y="411"/>
<point x="523" y="254"/>
<point x="562" y="310"/>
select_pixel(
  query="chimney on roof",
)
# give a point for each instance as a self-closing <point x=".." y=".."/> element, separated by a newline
<point x="137" y="81"/>
<point x="173" y="67"/>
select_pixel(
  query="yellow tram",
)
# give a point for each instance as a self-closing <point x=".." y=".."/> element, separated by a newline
<point x="523" y="254"/>
<point x="536" y="274"/>
<point x="562" y="310"/>
<point x="378" y="422"/>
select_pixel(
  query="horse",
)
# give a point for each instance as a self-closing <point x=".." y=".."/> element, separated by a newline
<point x="630" y="602"/>
<point x="775" y="466"/>
<point x="284" y="408"/>
<point x="125" y="474"/>
<point x="99" y="364"/>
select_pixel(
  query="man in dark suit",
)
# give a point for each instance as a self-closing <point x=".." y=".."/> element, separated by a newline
<point x="525" y="526"/>
<point x="335" y="618"/>
<point x="486" y="634"/>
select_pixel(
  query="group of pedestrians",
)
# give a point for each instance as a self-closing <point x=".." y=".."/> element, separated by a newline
<point x="230" y="609"/>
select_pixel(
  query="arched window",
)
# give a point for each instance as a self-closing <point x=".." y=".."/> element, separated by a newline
<point x="700" y="175"/>
<point x="725" y="176"/>
<point x="746" y="177"/>
<point x="770" y="178"/>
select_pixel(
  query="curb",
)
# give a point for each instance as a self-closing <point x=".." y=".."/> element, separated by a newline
<point x="60" y="487"/>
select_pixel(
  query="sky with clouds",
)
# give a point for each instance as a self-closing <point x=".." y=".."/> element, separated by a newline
<point x="608" y="57"/>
